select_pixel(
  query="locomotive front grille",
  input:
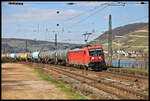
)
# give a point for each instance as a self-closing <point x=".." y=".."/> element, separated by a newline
<point x="97" y="65"/>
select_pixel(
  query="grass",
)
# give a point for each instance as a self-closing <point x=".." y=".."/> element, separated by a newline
<point x="59" y="84"/>
<point x="141" y="33"/>
<point x="137" y="41"/>
<point x="143" y="41"/>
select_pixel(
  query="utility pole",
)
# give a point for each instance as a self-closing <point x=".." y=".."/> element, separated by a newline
<point x="26" y="45"/>
<point x="56" y="49"/>
<point x="4" y="48"/>
<point x="56" y="41"/>
<point x="110" y="42"/>
<point x="118" y="50"/>
<point x="38" y="28"/>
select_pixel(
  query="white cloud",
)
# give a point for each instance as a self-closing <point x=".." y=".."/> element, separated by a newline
<point x="41" y="15"/>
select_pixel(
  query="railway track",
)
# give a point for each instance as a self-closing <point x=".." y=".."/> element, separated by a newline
<point x="106" y="73"/>
<point x="129" y="75"/>
<point x="121" y="76"/>
<point x="101" y="83"/>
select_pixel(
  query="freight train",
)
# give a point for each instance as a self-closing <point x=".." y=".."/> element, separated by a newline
<point x="87" y="57"/>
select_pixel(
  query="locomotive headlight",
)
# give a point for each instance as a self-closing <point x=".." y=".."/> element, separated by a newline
<point x="92" y="58"/>
<point x="100" y="57"/>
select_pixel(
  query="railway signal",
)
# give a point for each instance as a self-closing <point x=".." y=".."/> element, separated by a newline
<point x="14" y="3"/>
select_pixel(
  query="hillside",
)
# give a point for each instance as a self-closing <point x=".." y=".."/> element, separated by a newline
<point x="134" y="37"/>
<point x="19" y="45"/>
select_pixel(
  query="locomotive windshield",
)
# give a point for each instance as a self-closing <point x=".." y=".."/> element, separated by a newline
<point x="95" y="52"/>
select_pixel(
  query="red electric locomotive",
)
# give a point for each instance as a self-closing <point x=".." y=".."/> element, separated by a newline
<point x="88" y="57"/>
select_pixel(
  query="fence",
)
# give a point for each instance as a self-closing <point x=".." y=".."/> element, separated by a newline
<point x="130" y="64"/>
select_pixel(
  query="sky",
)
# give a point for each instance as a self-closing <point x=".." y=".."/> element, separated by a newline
<point x="42" y="20"/>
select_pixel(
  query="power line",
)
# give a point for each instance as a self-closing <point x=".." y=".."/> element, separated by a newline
<point x="86" y="17"/>
<point x="42" y="3"/>
<point x="107" y="4"/>
<point x="135" y="19"/>
<point x="140" y="2"/>
<point x="114" y="4"/>
<point x="83" y="13"/>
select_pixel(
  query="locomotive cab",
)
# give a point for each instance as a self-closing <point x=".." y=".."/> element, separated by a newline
<point x="96" y="55"/>
<point x="96" y="58"/>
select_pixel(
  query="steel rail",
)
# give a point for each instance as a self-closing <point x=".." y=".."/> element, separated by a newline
<point x="105" y="83"/>
<point x="126" y="74"/>
<point x="57" y="69"/>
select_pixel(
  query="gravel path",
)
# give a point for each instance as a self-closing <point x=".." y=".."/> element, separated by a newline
<point x="20" y="82"/>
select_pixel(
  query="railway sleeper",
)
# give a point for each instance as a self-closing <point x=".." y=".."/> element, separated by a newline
<point x="133" y="92"/>
<point x="137" y="94"/>
<point x="85" y="89"/>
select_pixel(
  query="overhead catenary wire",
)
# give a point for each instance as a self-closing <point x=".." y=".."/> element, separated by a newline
<point x="95" y="8"/>
<point x="86" y="17"/>
<point x="103" y="4"/>
<point x="78" y="22"/>
<point x="135" y="2"/>
<point x="68" y="3"/>
<point x="35" y="2"/>
<point x="87" y="11"/>
<point x="107" y="4"/>
<point x="134" y="20"/>
<point x="89" y="15"/>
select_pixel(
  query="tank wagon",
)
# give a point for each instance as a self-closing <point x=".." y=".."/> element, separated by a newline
<point x="35" y="56"/>
<point x="29" y="57"/>
<point x="87" y="57"/>
<point x="48" y="56"/>
<point x="8" y="55"/>
<point x="18" y="56"/>
<point x="23" y="56"/>
<point x="13" y="55"/>
<point x="3" y="56"/>
<point x="62" y="57"/>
